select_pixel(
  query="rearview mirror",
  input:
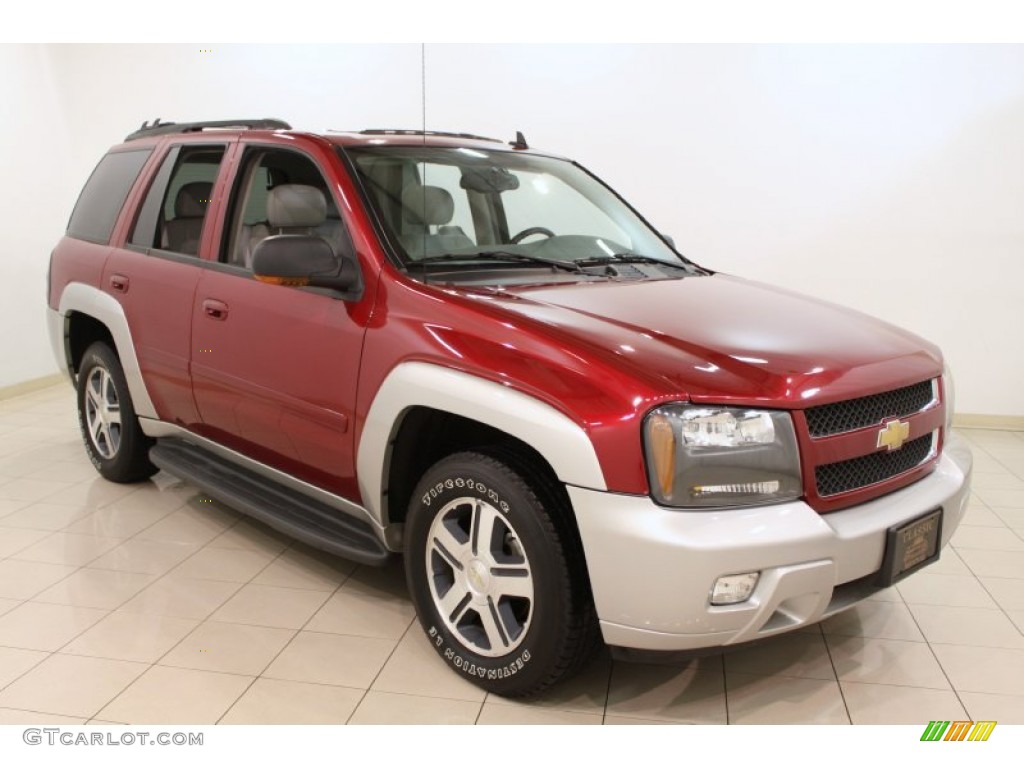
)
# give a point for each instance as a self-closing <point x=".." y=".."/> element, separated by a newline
<point x="487" y="180"/>
<point x="304" y="260"/>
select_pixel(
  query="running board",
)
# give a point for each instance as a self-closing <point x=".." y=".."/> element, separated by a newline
<point x="284" y="509"/>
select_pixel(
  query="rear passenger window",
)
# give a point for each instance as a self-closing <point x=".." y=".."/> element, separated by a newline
<point x="173" y="214"/>
<point x="104" y="194"/>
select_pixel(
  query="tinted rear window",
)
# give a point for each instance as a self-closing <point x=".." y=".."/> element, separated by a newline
<point x="104" y="194"/>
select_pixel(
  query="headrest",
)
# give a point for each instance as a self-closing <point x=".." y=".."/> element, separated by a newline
<point x="296" y="205"/>
<point x="192" y="199"/>
<point x="427" y="205"/>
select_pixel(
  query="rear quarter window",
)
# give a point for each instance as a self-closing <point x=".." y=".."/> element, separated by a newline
<point x="104" y="194"/>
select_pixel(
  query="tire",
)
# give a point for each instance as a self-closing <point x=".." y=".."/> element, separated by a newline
<point x="113" y="438"/>
<point x="513" y="615"/>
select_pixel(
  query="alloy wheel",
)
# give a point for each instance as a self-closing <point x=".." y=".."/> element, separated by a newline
<point x="103" y="413"/>
<point x="480" y="577"/>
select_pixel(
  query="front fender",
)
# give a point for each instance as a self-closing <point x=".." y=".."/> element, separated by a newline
<point x="563" y="443"/>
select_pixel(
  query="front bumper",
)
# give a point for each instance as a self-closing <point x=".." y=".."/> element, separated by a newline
<point x="652" y="568"/>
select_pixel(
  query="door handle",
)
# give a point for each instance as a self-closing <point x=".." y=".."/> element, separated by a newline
<point x="217" y="310"/>
<point x="119" y="282"/>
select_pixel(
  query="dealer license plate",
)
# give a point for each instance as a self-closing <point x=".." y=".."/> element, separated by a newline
<point x="910" y="547"/>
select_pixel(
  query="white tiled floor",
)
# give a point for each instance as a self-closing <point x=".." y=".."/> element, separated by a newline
<point x="151" y="604"/>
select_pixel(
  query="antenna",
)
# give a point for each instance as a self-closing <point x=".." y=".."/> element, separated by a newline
<point x="520" y="142"/>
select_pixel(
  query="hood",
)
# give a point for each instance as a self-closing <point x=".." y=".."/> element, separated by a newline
<point x="724" y="339"/>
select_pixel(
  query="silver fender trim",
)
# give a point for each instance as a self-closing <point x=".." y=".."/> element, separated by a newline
<point x="563" y="443"/>
<point x="79" y="297"/>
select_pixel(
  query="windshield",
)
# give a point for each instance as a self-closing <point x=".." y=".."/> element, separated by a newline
<point x="467" y="208"/>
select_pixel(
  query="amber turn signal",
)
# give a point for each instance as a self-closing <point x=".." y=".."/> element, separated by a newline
<point x="663" y="453"/>
<point x="299" y="281"/>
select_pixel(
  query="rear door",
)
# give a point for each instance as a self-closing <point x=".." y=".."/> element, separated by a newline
<point x="274" y="368"/>
<point x="155" y="272"/>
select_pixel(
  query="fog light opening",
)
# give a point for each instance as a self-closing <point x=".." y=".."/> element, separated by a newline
<point x="735" y="588"/>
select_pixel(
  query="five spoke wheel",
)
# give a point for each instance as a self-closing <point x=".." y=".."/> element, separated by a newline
<point x="103" y="413"/>
<point x="480" y="577"/>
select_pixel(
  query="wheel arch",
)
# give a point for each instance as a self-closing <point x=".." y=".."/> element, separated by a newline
<point x="422" y="404"/>
<point x="88" y="315"/>
<point x="81" y="330"/>
<point x="423" y="436"/>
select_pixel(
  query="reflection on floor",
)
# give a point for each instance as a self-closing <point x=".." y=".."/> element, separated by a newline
<point x="148" y="604"/>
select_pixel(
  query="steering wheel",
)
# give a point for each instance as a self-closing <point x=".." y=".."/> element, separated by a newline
<point x="532" y="231"/>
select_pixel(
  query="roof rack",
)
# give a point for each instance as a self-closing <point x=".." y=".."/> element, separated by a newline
<point x="156" y="128"/>
<point x="415" y="132"/>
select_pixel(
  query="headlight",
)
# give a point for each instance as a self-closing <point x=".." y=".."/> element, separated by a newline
<point x="721" y="457"/>
<point x="948" y="395"/>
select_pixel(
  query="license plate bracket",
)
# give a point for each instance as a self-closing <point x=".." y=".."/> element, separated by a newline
<point x="911" y="546"/>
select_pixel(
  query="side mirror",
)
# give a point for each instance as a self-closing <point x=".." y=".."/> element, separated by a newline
<point x="669" y="239"/>
<point x="304" y="260"/>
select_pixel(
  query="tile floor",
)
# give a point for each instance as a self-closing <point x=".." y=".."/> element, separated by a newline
<point x="150" y="604"/>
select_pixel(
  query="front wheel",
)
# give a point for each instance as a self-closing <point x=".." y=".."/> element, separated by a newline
<point x="113" y="438"/>
<point x="496" y="575"/>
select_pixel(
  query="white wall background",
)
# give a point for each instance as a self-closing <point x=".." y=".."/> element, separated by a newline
<point x="36" y="195"/>
<point x="888" y="178"/>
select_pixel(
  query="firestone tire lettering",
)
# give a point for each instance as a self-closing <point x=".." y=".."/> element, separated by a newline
<point x="476" y="669"/>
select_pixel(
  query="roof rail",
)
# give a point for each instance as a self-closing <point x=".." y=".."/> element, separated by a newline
<point x="156" y="128"/>
<point x="416" y="132"/>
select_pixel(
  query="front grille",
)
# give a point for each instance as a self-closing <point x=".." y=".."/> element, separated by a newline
<point x="835" y="418"/>
<point x="867" y="470"/>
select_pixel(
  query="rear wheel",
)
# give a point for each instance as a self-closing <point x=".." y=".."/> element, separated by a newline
<point x="496" y="576"/>
<point x="113" y="438"/>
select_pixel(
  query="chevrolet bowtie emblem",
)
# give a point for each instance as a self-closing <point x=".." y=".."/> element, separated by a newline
<point x="893" y="435"/>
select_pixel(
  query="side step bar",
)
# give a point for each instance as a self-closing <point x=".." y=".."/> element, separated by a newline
<point x="290" y="512"/>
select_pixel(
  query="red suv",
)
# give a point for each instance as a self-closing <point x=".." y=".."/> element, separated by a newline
<point x="479" y="356"/>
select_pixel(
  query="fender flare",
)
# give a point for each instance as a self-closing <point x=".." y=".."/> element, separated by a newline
<point x="562" y="442"/>
<point x="91" y="301"/>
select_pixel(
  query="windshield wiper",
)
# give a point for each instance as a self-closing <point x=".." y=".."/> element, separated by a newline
<point x="626" y="257"/>
<point x="496" y="256"/>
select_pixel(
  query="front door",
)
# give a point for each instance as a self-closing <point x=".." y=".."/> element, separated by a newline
<point x="274" y="368"/>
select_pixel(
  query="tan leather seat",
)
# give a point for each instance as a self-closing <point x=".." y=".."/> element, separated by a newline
<point x="425" y="207"/>
<point x="182" y="233"/>
<point x="292" y="209"/>
<point x="332" y="230"/>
